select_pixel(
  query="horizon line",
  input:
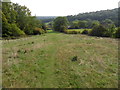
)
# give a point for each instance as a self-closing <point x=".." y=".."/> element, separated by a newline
<point x="74" y="14"/>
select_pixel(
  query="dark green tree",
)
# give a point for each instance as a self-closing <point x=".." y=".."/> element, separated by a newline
<point x="74" y="24"/>
<point x="60" y="24"/>
<point x="99" y="31"/>
<point x="95" y="23"/>
<point x="107" y="23"/>
<point x="17" y="21"/>
<point x="82" y="24"/>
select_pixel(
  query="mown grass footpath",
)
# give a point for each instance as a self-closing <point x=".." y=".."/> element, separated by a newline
<point x="46" y="61"/>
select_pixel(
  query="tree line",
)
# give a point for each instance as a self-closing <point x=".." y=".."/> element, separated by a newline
<point x="98" y="15"/>
<point x="91" y="16"/>
<point x="106" y="28"/>
<point x="17" y="21"/>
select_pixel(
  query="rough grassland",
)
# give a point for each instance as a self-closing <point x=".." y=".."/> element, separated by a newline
<point x="45" y="61"/>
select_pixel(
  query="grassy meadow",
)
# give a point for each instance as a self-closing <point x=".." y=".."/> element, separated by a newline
<point x="46" y="61"/>
<point x="81" y="30"/>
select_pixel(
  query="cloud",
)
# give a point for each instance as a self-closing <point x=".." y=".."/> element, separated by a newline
<point x="66" y="7"/>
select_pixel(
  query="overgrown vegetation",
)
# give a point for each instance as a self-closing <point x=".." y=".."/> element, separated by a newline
<point x="117" y="33"/>
<point x="17" y="21"/>
<point x="99" y="31"/>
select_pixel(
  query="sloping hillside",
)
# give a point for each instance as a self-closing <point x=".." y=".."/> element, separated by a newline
<point x="98" y="15"/>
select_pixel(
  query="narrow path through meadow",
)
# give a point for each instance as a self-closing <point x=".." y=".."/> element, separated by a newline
<point x="45" y="61"/>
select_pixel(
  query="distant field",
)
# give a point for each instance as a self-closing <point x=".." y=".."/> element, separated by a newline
<point x="78" y="29"/>
<point x="46" y="61"/>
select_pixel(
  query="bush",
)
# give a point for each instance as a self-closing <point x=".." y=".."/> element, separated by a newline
<point x="15" y="31"/>
<point x="99" y="31"/>
<point x="117" y="33"/>
<point x="111" y="31"/>
<point x="38" y="31"/>
<point x="85" y="32"/>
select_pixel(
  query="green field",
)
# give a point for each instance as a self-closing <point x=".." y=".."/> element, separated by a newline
<point x="78" y="30"/>
<point x="46" y="61"/>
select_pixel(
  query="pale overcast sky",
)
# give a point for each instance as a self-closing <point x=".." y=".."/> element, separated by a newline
<point x="66" y="7"/>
